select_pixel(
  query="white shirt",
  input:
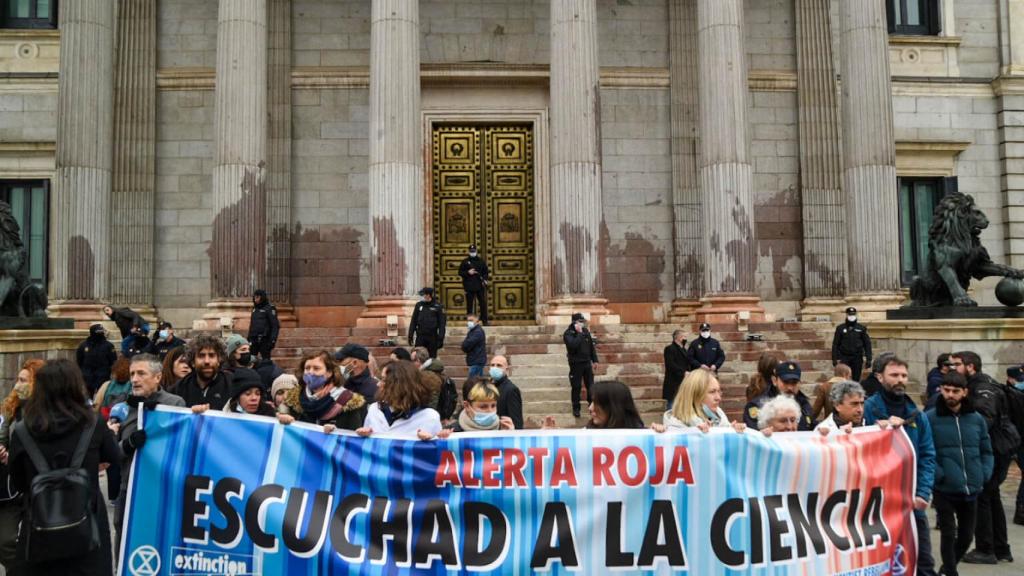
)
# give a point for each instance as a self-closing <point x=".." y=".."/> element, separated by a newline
<point x="426" y="419"/>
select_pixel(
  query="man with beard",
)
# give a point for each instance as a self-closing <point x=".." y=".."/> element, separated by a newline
<point x="207" y="383"/>
<point x="963" y="458"/>
<point x="848" y="407"/>
<point x="785" y="381"/>
<point x="892" y="403"/>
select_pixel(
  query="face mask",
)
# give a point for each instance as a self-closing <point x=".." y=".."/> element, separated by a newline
<point x="345" y="371"/>
<point x="709" y="412"/>
<point x="470" y="325"/>
<point x="164" y="334"/>
<point x="314" y="381"/>
<point x="705" y="335"/>
<point x="496" y="373"/>
<point x="472" y="254"/>
<point x="851" y="319"/>
<point x="485" y="419"/>
<point x="245" y="359"/>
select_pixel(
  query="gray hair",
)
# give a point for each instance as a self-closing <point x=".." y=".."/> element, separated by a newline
<point x="773" y="408"/>
<point x="155" y="365"/>
<point x="843" y="388"/>
<point x="676" y="333"/>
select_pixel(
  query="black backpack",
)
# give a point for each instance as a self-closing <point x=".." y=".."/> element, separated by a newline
<point x="60" y="519"/>
<point x="1015" y="406"/>
<point x="447" y="399"/>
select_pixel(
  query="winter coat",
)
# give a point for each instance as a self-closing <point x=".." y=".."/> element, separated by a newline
<point x="382" y="421"/>
<point x="579" y="346"/>
<point x="475" y="346"/>
<point x="350" y="414"/>
<point x="160" y="348"/>
<point x="95" y="356"/>
<point x="851" y="340"/>
<point x="677" y="364"/>
<point x="264" y="326"/>
<point x="126" y="319"/>
<point x="934" y="381"/>
<point x="706" y="353"/>
<point x="672" y="423"/>
<point x="510" y="401"/>
<point x="918" y="429"/>
<point x="753" y="408"/>
<point x="963" y="452"/>
<point x="428" y="321"/>
<point x="364" y="384"/>
<point x="216" y="394"/>
<point x="473" y="282"/>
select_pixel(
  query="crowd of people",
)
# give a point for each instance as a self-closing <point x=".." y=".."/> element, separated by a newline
<point x="84" y="415"/>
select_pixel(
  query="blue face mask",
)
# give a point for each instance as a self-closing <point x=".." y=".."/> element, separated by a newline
<point x="485" y="419"/>
<point x="164" y="334"/>
<point x="496" y="373"/>
<point x="314" y="381"/>
<point x="709" y="412"/>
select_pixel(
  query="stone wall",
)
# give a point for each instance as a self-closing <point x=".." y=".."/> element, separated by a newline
<point x="977" y="23"/>
<point x="28" y="117"/>
<point x="331" y="33"/>
<point x="186" y="34"/>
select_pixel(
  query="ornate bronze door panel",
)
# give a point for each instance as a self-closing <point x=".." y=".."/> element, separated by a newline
<point x="483" y="195"/>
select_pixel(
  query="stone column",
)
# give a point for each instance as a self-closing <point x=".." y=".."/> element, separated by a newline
<point x="238" y="250"/>
<point x="397" y="255"/>
<point x="869" y="158"/>
<point x="824" y="221"/>
<point x="80" y="219"/>
<point x="279" y="156"/>
<point x="1010" y="103"/>
<point x="576" y="214"/>
<point x="686" y="197"/>
<point x="726" y="174"/>
<point x="134" y="178"/>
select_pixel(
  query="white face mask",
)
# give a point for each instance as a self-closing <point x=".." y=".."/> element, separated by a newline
<point x="851" y="319"/>
<point x="470" y="325"/>
<point x="472" y="254"/>
<point x="705" y="334"/>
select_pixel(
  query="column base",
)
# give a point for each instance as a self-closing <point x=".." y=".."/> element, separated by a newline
<point x="728" y="309"/>
<point x="872" y="306"/>
<point x="225" y="315"/>
<point x="684" y="310"/>
<point x="375" y="317"/>
<point x="833" y="309"/>
<point x="559" y="310"/>
<point x="88" y="312"/>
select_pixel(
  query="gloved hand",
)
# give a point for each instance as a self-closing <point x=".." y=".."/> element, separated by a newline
<point x="133" y="442"/>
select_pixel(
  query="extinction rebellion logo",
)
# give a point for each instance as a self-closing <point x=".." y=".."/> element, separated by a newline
<point x="145" y="561"/>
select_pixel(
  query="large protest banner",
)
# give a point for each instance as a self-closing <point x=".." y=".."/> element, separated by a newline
<point x="221" y="494"/>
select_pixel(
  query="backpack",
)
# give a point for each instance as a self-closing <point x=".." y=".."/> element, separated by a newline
<point x="447" y="399"/>
<point x="1015" y="406"/>
<point x="60" y="521"/>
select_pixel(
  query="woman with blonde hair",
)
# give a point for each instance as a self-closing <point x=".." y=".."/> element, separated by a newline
<point x="698" y="404"/>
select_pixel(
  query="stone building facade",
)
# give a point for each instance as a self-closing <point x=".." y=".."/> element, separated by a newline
<point x="666" y="158"/>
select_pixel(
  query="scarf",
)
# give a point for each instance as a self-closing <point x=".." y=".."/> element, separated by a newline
<point x="469" y="425"/>
<point x="325" y="408"/>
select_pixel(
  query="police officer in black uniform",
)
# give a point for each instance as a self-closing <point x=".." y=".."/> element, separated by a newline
<point x="263" y="325"/>
<point x="581" y="351"/>
<point x="706" y="352"/>
<point x="851" y="344"/>
<point x="475" y="275"/>
<point x="427" y="326"/>
<point x="786" y="380"/>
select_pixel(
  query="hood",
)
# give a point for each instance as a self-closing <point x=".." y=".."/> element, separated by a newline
<point x="435" y="366"/>
<point x="61" y="426"/>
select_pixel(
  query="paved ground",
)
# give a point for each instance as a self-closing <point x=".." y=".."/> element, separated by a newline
<point x="1015" y="532"/>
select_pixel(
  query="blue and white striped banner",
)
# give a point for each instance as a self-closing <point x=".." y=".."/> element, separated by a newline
<point x="222" y="494"/>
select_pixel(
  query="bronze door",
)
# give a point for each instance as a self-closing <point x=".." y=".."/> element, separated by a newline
<point x="483" y="195"/>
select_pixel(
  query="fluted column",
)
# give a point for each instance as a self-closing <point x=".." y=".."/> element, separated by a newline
<point x="279" y="144"/>
<point x="686" y="198"/>
<point x="869" y="155"/>
<point x="238" y="250"/>
<point x="80" y="221"/>
<point x="725" y="171"/>
<point x="824" y="225"/>
<point x="134" y="177"/>
<point x="576" y="214"/>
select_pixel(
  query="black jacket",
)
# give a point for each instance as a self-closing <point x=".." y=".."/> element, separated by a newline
<point x="851" y="341"/>
<point x="216" y="394"/>
<point x="263" y="324"/>
<point x="963" y="451"/>
<point x="872" y="385"/>
<point x="428" y="320"/>
<point x="475" y="282"/>
<point x="268" y="371"/>
<point x="988" y="398"/>
<point x="475" y="346"/>
<point x="706" y="353"/>
<point x="95" y="356"/>
<point x="579" y="346"/>
<point x="160" y="348"/>
<point x="365" y="385"/>
<point x="677" y="364"/>
<point x="126" y="319"/>
<point x="510" y="401"/>
<point x="753" y="408"/>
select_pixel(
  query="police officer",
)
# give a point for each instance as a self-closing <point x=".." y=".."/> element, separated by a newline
<point x="427" y="326"/>
<point x="475" y="276"/>
<point x="705" y="352"/>
<point x="581" y="351"/>
<point x="785" y="381"/>
<point x="263" y="325"/>
<point x="851" y="344"/>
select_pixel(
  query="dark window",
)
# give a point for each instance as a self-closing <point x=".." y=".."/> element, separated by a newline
<point x="29" y="200"/>
<point x="914" y="17"/>
<point x="918" y="198"/>
<point x="28" y="13"/>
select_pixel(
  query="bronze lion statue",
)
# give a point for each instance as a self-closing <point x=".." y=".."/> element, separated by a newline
<point x="955" y="255"/>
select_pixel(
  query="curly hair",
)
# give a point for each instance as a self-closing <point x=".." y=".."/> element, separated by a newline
<point x="404" y="388"/>
<point x="329" y="363"/>
<point x="207" y="341"/>
<point x="13" y="401"/>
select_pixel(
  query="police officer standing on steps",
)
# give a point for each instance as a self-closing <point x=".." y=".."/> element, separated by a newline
<point x="851" y="344"/>
<point x="705" y="352"/>
<point x="264" y="326"/>
<point x="582" y="354"/>
<point x="427" y="326"/>
<point x="475" y="276"/>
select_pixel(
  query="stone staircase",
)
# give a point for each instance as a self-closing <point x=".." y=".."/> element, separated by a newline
<point x="628" y="352"/>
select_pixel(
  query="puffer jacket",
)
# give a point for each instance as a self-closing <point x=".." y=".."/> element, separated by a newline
<point x="963" y="452"/>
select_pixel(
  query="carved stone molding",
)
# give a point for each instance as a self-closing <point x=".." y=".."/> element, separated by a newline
<point x="928" y="157"/>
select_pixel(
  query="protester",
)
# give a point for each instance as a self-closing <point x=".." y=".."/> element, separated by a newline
<point x="847" y="407"/>
<point x="697" y="404"/>
<point x="11" y="506"/>
<point x="264" y="325"/>
<point x="677" y="363"/>
<point x="785" y="381"/>
<point x="991" y="544"/>
<point x="238" y="351"/>
<point x="281" y="386"/>
<point x="427" y="325"/>
<point x="479" y="410"/>
<point x="267" y="369"/>
<point x="20" y="394"/>
<point x="780" y="414"/>
<point x="763" y="379"/>
<point x="323" y="398"/>
<point x="401" y="406"/>
<point x="164" y="340"/>
<point x="581" y="351"/>
<point x="475" y="346"/>
<point x="56" y="420"/>
<point x="942" y="367"/>
<point x="1015" y="392"/>
<point x="963" y="464"/>
<point x="612" y="407"/>
<point x="354" y="361"/>
<point x="873" y="383"/>
<point x="208" y="383"/>
<point x="894" y="404"/>
<point x="249" y="396"/>
<point x="95" y="357"/>
<point x="851" y="344"/>
<point x="400" y="353"/>
<point x="115" y="390"/>
<point x="131" y="325"/>
<point x="510" y="399"/>
<point x="176" y="367"/>
<point x="706" y="352"/>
